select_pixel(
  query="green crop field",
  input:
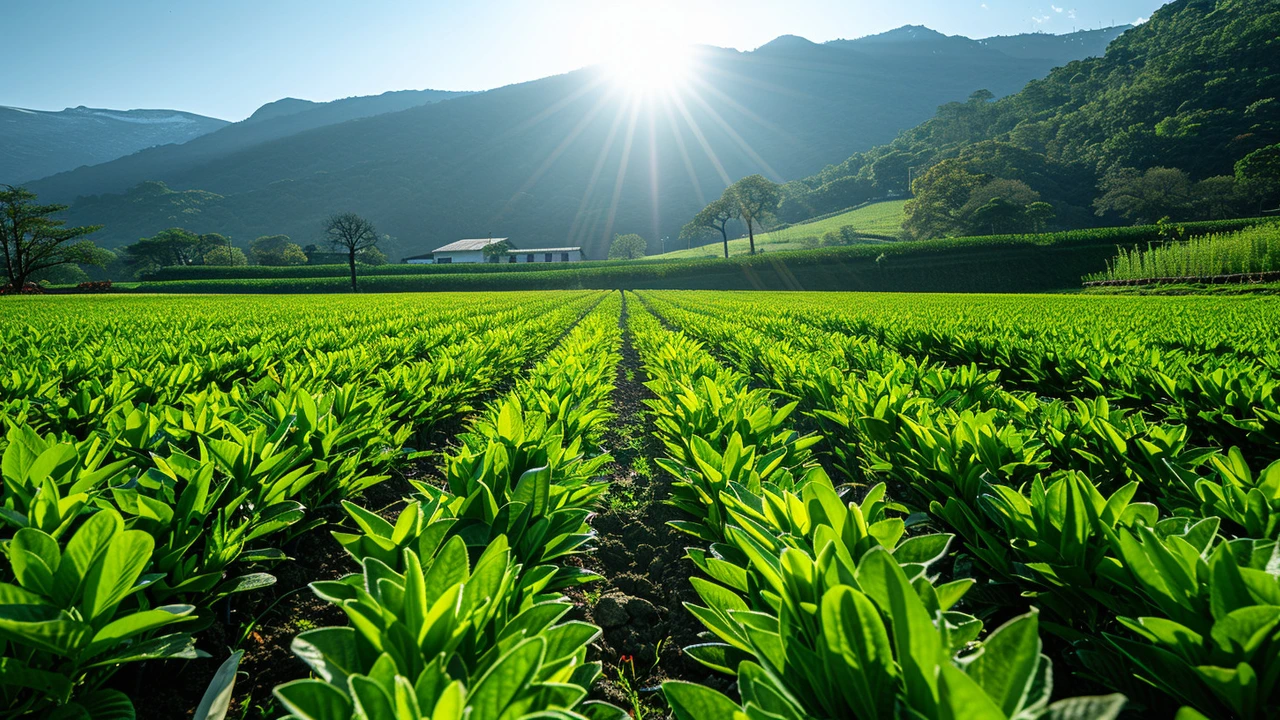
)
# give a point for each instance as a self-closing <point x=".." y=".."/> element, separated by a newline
<point x="882" y="218"/>
<point x="731" y="504"/>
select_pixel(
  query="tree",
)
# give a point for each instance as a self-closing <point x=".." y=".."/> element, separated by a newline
<point x="174" y="246"/>
<point x="1218" y="198"/>
<point x="1144" y="198"/>
<point x="845" y="235"/>
<point x="276" y="250"/>
<point x="940" y="195"/>
<point x="494" y="252"/>
<point x="373" y="256"/>
<point x="755" y="198"/>
<point x="1039" y="215"/>
<point x="628" y="247"/>
<point x="226" y="256"/>
<point x="1258" y="176"/>
<point x="32" y="241"/>
<point x="353" y="234"/>
<point x="998" y="206"/>
<point x="999" y="216"/>
<point x="712" y="218"/>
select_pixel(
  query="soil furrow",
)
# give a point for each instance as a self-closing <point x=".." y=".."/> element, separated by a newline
<point x="639" y="605"/>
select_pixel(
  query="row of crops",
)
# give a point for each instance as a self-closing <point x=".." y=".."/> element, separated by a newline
<point x="897" y="506"/>
<point x="1248" y="255"/>
<point x="161" y="456"/>
<point x="1096" y="477"/>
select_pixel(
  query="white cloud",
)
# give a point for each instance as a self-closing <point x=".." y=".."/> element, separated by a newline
<point x="1041" y="19"/>
<point x="1140" y="20"/>
<point x="1071" y="13"/>
<point x="1056" y="8"/>
<point x="983" y="6"/>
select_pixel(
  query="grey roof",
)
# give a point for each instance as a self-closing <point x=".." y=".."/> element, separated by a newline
<point x="517" y="251"/>
<point x="464" y="245"/>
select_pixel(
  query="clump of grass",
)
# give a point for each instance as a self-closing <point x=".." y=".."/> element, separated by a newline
<point x="1255" y="250"/>
<point x="622" y="498"/>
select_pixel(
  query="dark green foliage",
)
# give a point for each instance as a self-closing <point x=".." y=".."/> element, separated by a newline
<point x="32" y="241"/>
<point x="1192" y="89"/>
<point x="175" y="246"/>
<point x="276" y="250"/>
<point x="1258" y="175"/>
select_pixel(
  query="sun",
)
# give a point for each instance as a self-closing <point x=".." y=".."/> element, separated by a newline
<point x="644" y="48"/>
<point x="649" y="67"/>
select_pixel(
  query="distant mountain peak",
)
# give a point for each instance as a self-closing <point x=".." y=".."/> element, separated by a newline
<point x="906" y="33"/>
<point x="788" y="42"/>
<point x="280" y="108"/>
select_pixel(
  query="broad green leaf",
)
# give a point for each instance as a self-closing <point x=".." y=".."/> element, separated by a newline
<point x="313" y="700"/>
<point x="689" y="701"/>
<point x="114" y="575"/>
<point x="217" y="697"/>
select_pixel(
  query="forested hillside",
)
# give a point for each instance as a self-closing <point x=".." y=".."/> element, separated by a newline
<point x="1155" y="128"/>
<point x="570" y="159"/>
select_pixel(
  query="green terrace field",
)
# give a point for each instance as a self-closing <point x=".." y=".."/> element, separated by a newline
<point x="882" y="218"/>
<point x="537" y="504"/>
<point x="1001" y="263"/>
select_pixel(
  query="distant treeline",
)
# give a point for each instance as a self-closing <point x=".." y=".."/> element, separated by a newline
<point x="1003" y="263"/>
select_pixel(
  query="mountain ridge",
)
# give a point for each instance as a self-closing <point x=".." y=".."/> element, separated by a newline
<point x="559" y="160"/>
<point x="42" y="142"/>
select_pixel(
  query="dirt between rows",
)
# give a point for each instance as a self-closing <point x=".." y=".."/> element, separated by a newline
<point x="639" y="606"/>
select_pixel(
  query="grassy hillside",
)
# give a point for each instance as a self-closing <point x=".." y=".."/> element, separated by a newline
<point x="882" y="218"/>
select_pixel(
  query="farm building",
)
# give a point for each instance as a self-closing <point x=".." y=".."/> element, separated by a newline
<point x="472" y="251"/>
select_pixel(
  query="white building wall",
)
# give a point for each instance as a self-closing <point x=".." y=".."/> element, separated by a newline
<point x="464" y="256"/>
<point x="522" y="256"/>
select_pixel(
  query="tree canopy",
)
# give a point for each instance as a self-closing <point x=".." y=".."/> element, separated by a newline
<point x="175" y="246"/>
<point x="714" y="218"/>
<point x="628" y="247"/>
<point x="494" y="252"/>
<point x="755" y="197"/>
<point x="32" y="241"/>
<point x="276" y="250"/>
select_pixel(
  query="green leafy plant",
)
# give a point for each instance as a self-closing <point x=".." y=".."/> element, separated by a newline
<point x="72" y="615"/>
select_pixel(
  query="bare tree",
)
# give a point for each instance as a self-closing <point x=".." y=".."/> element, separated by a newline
<point x="352" y="233"/>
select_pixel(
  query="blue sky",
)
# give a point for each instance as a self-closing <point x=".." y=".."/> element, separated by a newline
<point x="227" y="57"/>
